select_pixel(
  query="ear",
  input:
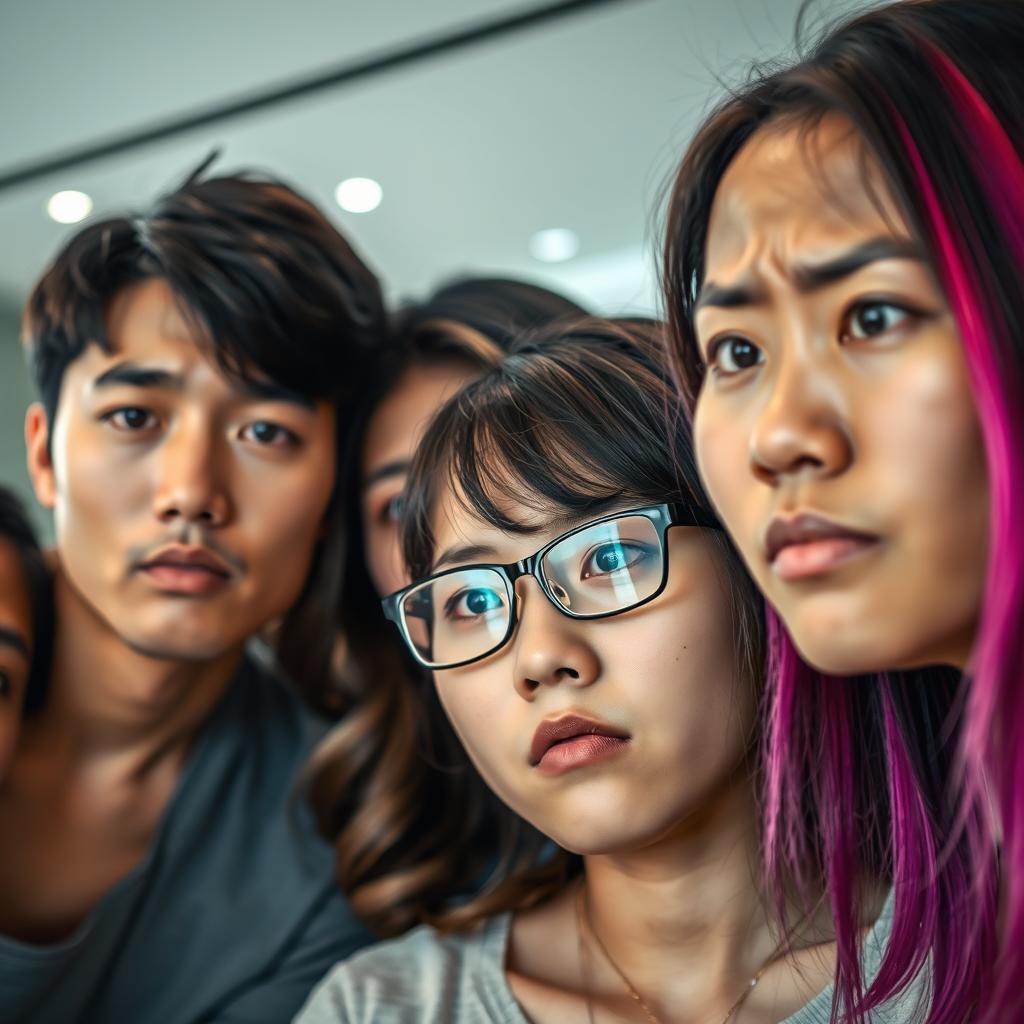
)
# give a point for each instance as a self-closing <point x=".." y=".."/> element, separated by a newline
<point x="37" y="455"/>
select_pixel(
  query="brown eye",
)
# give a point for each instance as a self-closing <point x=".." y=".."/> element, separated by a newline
<point x="870" y="319"/>
<point x="734" y="355"/>
<point x="131" y="418"/>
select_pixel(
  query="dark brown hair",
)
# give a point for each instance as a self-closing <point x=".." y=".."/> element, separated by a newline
<point x="271" y="288"/>
<point x="573" y="417"/>
<point x="378" y="782"/>
<point x="932" y="89"/>
<point x="16" y="527"/>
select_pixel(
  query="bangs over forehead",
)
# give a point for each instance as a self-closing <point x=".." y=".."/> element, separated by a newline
<point x="574" y="419"/>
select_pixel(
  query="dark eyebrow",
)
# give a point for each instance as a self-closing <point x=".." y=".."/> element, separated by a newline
<point x="463" y="554"/>
<point x="136" y="376"/>
<point x="268" y="391"/>
<point x="726" y="298"/>
<point x="395" y="468"/>
<point x="810" y="277"/>
<point x="560" y="523"/>
<point x="15" y="639"/>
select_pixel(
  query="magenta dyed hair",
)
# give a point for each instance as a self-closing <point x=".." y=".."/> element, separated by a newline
<point x="993" y="741"/>
<point x="934" y="89"/>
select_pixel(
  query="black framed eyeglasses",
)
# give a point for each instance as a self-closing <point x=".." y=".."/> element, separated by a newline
<point x="605" y="567"/>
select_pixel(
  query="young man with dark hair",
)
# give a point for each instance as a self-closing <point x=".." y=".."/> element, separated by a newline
<point x="194" y="366"/>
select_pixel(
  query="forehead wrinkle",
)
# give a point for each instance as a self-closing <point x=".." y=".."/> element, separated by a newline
<point x="789" y="181"/>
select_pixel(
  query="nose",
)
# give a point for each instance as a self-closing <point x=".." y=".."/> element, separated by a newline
<point x="800" y="430"/>
<point x="550" y="648"/>
<point x="190" y="487"/>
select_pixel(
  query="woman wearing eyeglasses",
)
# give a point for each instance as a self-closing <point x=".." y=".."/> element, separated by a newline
<point x="597" y="646"/>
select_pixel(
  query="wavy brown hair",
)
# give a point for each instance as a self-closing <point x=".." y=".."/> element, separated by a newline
<point x="573" y="417"/>
<point x="379" y="782"/>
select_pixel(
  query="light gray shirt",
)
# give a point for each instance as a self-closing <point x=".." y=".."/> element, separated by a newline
<point x="427" y="977"/>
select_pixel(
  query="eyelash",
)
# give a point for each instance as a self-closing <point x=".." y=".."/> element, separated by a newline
<point x="109" y="417"/>
<point x="858" y="306"/>
<point x="289" y="437"/>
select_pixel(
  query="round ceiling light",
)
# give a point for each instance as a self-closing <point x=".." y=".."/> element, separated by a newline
<point x="359" y="195"/>
<point x="554" y="245"/>
<point x="69" y="207"/>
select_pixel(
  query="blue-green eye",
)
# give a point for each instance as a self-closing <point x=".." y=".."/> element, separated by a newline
<point x="468" y="604"/>
<point x="612" y="557"/>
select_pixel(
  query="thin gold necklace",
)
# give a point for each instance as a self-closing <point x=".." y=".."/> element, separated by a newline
<point x="583" y="921"/>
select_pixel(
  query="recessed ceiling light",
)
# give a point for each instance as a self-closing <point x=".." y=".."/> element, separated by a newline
<point x="69" y="207"/>
<point x="554" y="245"/>
<point x="359" y="195"/>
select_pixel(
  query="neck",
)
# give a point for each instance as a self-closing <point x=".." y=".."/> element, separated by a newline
<point x="107" y="700"/>
<point x="693" y="898"/>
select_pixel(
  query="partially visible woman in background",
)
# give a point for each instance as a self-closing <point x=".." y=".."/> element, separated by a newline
<point x="360" y="776"/>
<point x="844" y="265"/>
<point x="26" y="622"/>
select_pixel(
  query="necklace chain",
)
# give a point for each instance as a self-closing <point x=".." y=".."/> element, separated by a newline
<point x="583" y="922"/>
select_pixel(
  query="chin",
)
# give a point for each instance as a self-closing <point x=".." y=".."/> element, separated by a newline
<point x="166" y="645"/>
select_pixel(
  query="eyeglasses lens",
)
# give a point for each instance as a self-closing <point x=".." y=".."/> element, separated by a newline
<point x="606" y="568"/>
<point x="457" y="617"/>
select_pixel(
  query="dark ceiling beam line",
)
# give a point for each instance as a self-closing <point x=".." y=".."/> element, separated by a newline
<point x="345" y="74"/>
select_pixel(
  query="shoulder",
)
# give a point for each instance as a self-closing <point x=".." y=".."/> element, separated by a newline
<point x="425" y="976"/>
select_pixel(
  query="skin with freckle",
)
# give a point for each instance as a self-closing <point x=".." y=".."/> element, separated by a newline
<point x="688" y="717"/>
<point x="849" y="400"/>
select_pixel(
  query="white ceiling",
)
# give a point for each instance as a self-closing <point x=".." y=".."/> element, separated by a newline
<point x="574" y="123"/>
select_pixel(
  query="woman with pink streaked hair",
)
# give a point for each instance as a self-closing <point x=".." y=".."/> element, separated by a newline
<point x="843" y="270"/>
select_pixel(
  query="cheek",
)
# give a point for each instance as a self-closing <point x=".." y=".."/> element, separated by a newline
<point x="477" y="705"/>
<point x="97" y="484"/>
<point x="384" y="557"/>
<point x="721" y="445"/>
<point x="690" y="683"/>
<point x="923" y="430"/>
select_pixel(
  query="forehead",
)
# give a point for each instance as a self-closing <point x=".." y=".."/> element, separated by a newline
<point x="15" y="602"/>
<point x="806" y="190"/>
<point x="402" y="416"/>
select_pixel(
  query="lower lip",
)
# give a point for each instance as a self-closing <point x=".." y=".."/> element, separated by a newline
<point x="185" y="579"/>
<point x="579" y="752"/>
<point x="815" y="558"/>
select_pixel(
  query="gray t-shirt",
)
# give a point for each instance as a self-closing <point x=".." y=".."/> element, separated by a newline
<point x="429" y="978"/>
<point x="232" y="917"/>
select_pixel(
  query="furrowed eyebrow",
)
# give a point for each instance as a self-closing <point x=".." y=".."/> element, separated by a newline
<point x="727" y="297"/>
<point x="135" y="376"/>
<point x="14" y="639"/>
<point x="813" y="276"/>
<point x="810" y="277"/>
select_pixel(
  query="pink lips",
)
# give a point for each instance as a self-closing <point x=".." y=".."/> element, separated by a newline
<point x="574" y="741"/>
<point x="811" y="545"/>
<point x="187" y="571"/>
